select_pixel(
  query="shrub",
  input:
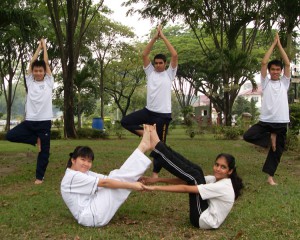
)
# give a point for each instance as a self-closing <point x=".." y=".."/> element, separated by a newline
<point x="119" y="130"/>
<point x="55" y="134"/>
<point x="292" y="141"/>
<point x="227" y="132"/>
<point x="2" y="135"/>
<point x="91" y="133"/>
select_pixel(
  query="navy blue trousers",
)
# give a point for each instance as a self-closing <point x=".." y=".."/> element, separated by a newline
<point x="187" y="171"/>
<point x="135" y="121"/>
<point x="260" y="134"/>
<point x="28" y="132"/>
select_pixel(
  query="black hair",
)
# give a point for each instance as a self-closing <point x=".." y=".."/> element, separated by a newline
<point x="275" y="62"/>
<point x="80" y="151"/>
<point x="160" y="56"/>
<point x="38" y="63"/>
<point x="237" y="182"/>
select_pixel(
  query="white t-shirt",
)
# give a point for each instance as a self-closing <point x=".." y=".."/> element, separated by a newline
<point x="159" y="86"/>
<point x="39" y="98"/>
<point x="275" y="108"/>
<point x="220" y="196"/>
<point x="78" y="189"/>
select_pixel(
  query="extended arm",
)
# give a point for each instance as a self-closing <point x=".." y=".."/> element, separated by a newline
<point x="174" y="188"/>
<point x="46" y="60"/>
<point x="265" y="60"/>
<point x="34" y="57"/>
<point x="287" y="69"/>
<point x="174" y="56"/>
<point x="150" y="180"/>
<point x="111" y="183"/>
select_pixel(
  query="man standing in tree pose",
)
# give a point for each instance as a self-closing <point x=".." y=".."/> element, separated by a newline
<point x="159" y="86"/>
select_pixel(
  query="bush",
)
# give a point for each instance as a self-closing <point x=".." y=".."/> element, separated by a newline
<point x="292" y="141"/>
<point x="91" y="133"/>
<point x="227" y="132"/>
<point x="55" y="134"/>
<point x="119" y="130"/>
<point x="2" y="135"/>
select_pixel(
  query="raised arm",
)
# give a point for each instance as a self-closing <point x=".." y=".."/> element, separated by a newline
<point x="174" y="56"/>
<point x="287" y="68"/>
<point x="46" y="60"/>
<point x="111" y="183"/>
<point x="34" y="57"/>
<point x="148" y="48"/>
<point x="173" y="188"/>
<point x="265" y="60"/>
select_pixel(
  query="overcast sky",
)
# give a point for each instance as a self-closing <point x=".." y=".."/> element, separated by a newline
<point x="141" y="27"/>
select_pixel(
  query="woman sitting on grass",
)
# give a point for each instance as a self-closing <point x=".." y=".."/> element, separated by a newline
<point x="211" y="197"/>
<point x="93" y="198"/>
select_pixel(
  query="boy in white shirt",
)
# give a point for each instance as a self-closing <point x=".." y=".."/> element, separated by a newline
<point x="272" y="126"/>
<point x="35" y="130"/>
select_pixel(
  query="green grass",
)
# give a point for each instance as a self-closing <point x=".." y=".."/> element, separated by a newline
<point x="38" y="212"/>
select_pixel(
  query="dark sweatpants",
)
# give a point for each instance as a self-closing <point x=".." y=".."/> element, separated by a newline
<point x="135" y="121"/>
<point x="260" y="134"/>
<point x="28" y="132"/>
<point x="186" y="171"/>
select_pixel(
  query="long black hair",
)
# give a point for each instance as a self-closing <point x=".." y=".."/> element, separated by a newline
<point x="237" y="182"/>
<point x="80" y="151"/>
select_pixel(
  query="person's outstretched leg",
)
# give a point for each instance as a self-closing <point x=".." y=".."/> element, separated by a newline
<point x="108" y="201"/>
<point x="183" y="169"/>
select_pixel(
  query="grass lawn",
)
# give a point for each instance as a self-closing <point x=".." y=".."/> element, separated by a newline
<point x="31" y="211"/>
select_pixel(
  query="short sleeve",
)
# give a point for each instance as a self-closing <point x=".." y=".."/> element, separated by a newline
<point x="172" y="72"/>
<point x="81" y="183"/>
<point x="149" y="69"/>
<point x="211" y="190"/>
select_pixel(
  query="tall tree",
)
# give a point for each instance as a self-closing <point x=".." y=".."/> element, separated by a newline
<point x="71" y="20"/>
<point x="15" y="28"/>
<point x="108" y="40"/>
<point x="123" y="77"/>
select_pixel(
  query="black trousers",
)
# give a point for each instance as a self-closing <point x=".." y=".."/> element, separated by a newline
<point x="188" y="172"/>
<point x="28" y="132"/>
<point x="260" y="134"/>
<point x="135" y="121"/>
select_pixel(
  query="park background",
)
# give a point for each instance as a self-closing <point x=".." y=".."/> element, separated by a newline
<point x="96" y="62"/>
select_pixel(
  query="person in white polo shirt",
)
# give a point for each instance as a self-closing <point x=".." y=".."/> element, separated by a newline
<point x="271" y="129"/>
<point x="35" y="130"/>
<point x="94" y="198"/>
<point x="159" y="86"/>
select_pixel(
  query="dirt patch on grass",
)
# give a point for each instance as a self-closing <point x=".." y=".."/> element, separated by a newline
<point x="13" y="161"/>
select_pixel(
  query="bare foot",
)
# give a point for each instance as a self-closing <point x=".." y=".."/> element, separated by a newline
<point x="38" y="181"/>
<point x="271" y="181"/>
<point x="145" y="145"/>
<point x="38" y="144"/>
<point x="273" y="141"/>
<point x="154" y="137"/>
<point x="155" y="175"/>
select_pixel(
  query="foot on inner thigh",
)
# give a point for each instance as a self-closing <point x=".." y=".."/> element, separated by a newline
<point x="271" y="181"/>
<point x="273" y="141"/>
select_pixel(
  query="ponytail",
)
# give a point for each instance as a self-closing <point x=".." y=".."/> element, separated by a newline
<point x="237" y="183"/>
